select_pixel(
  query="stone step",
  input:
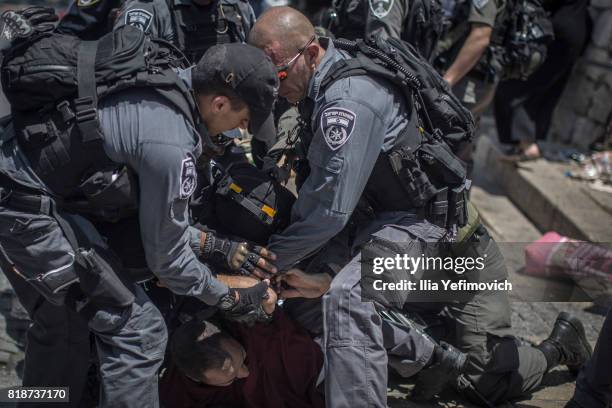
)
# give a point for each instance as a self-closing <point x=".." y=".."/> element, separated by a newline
<point x="551" y="200"/>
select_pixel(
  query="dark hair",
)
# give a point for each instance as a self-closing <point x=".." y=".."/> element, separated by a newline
<point x="205" y="80"/>
<point x="196" y="347"/>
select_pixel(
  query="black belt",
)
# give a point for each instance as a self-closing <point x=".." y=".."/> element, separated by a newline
<point x="29" y="203"/>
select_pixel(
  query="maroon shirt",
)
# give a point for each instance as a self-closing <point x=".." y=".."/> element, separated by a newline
<point x="284" y="364"/>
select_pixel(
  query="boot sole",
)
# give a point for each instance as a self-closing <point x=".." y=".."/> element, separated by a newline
<point x="579" y="328"/>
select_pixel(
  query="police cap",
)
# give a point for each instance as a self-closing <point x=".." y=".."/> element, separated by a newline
<point x="250" y="73"/>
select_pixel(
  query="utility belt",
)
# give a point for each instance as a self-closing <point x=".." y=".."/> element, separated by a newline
<point x="94" y="268"/>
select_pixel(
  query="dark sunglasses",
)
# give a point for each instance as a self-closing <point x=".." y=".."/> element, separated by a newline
<point x="283" y="70"/>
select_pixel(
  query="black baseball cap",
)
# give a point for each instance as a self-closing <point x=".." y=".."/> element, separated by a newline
<point x="249" y="72"/>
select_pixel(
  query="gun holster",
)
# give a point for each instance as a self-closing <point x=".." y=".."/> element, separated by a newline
<point x="99" y="281"/>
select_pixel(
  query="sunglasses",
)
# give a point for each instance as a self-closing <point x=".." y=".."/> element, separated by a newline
<point x="283" y="70"/>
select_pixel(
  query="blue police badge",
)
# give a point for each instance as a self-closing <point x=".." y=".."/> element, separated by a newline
<point x="139" y="18"/>
<point x="380" y="8"/>
<point x="337" y="125"/>
<point x="189" y="178"/>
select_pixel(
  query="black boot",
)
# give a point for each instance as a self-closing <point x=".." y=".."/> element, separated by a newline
<point x="567" y="344"/>
<point x="446" y="364"/>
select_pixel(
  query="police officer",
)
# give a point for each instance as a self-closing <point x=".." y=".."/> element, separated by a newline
<point x="89" y="19"/>
<point x="143" y="131"/>
<point x="462" y="55"/>
<point x="416" y="22"/>
<point x="354" y="122"/>
<point x="194" y="26"/>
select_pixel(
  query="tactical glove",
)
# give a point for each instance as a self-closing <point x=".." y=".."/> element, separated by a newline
<point x="236" y="256"/>
<point x="15" y="25"/>
<point x="244" y="304"/>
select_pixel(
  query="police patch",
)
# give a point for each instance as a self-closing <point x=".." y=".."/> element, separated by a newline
<point x="380" y="8"/>
<point x="188" y="178"/>
<point x="337" y="125"/>
<point x="86" y="3"/>
<point x="139" y="18"/>
<point x="479" y="4"/>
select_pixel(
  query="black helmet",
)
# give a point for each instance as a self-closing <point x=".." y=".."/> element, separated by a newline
<point x="250" y="204"/>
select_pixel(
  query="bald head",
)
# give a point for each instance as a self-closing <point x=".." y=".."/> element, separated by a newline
<point x="282" y="28"/>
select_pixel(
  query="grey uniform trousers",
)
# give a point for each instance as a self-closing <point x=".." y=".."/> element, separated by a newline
<point x="130" y="341"/>
<point x="476" y="94"/>
<point x="500" y="366"/>
<point x="57" y="344"/>
<point x="594" y="384"/>
<point x="356" y="342"/>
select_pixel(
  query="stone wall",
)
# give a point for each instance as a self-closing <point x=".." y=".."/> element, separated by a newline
<point x="584" y="113"/>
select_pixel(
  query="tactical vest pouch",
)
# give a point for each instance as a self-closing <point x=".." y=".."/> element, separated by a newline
<point x="441" y="164"/>
<point x="114" y="193"/>
<point x="53" y="284"/>
<point x="100" y="282"/>
<point x="412" y="178"/>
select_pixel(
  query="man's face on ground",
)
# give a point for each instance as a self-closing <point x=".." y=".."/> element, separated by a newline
<point x="219" y="115"/>
<point x="233" y="367"/>
<point x="295" y="84"/>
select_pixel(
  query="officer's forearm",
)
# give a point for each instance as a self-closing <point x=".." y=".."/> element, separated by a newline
<point x="473" y="48"/>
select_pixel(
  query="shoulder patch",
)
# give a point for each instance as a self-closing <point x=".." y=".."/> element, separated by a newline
<point x="380" y="8"/>
<point x="189" y="179"/>
<point x="479" y="4"/>
<point x="139" y="18"/>
<point x="337" y="125"/>
<point x="86" y="3"/>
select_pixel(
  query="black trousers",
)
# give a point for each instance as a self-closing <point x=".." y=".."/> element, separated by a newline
<point x="524" y="109"/>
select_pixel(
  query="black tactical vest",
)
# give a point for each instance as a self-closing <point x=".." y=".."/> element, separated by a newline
<point x="422" y="26"/>
<point x="200" y="27"/>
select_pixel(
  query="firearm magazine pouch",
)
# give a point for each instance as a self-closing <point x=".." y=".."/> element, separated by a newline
<point x="100" y="282"/>
<point x="412" y="178"/>
<point x="437" y="159"/>
<point x="112" y="191"/>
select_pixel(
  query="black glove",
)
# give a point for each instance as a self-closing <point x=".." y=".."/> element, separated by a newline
<point x="229" y="254"/>
<point x="242" y="301"/>
<point x="236" y="256"/>
<point x="15" y="25"/>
